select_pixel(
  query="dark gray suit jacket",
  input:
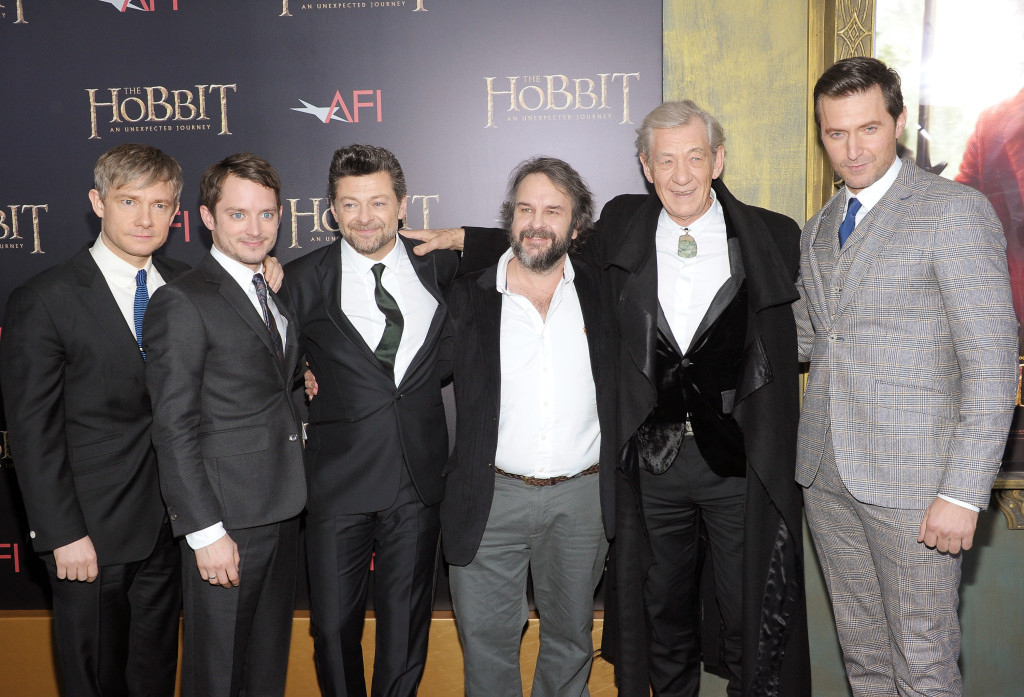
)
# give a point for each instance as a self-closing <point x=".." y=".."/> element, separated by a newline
<point x="78" y="413"/>
<point x="227" y="412"/>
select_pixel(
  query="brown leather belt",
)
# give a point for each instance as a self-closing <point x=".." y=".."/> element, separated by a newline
<point x="547" y="481"/>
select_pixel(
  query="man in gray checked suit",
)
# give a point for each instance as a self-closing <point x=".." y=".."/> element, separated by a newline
<point x="906" y="317"/>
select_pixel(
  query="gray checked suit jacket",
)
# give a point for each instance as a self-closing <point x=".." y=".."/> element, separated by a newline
<point x="912" y="343"/>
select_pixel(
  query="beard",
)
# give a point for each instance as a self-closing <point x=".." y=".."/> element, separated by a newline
<point x="368" y="245"/>
<point x="544" y="260"/>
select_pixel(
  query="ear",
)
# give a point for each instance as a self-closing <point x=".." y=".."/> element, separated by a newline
<point x="207" y="215"/>
<point x="901" y="122"/>
<point x="401" y="208"/>
<point x="647" y="170"/>
<point x="97" y="202"/>
<point x="575" y="233"/>
<point x="716" y="172"/>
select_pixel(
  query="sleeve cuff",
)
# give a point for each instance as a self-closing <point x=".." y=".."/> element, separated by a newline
<point x="206" y="536"/>
<point x="959" y="503"/>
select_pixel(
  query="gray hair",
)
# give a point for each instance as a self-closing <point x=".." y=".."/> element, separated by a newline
<point x="673" y="115"/>
<point x="566" y="179"/>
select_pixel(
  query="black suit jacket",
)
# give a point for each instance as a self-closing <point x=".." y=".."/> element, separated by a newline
<point x="474" y="308"/>
<point x="226" y="411"/>
<point x="78" y="413"/>
<point x="362" y="427"/>
<point x="766" y="408"/>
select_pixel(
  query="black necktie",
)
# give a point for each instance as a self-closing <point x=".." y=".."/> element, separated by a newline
<point x="268" y="317"/>
<point x="393" y="322"/>
<point x="849" y="222"/>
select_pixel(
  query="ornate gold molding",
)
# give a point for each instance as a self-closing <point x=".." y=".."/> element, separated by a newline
<point x="837" y="29"/>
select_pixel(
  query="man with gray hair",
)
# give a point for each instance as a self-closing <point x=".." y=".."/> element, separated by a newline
<point x="701" y="287"/>
<point x="534" y="393"/>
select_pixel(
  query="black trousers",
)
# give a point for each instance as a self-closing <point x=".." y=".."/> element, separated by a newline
<point x="237" y="639"/>
<point x="118" y="636"/>
<point x="677" y="505"/>
<point x="402" y="543"/>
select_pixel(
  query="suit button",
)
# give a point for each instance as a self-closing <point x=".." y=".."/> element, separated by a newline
<point x="174" y="516"/>
<point x="32" y="534"/>
<point x="293" y="436"/>
<point x="399" y="396"/>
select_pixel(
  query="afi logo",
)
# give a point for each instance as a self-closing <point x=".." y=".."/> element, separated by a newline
<point x="122" y="5"/>
<point x="339" y="109"/>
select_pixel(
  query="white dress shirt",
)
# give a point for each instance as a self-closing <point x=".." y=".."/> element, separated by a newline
<point x="242" y="275"/>
<point x="871" y="195"/>
<point x="547" y="424"/>
<point x="686" y="287"/>
<point x="120" y="278"/>
<point x="400" y="280"/>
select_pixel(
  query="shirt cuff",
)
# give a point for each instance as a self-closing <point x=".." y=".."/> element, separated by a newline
<point x="959" y="503"/>
<point x="206" y="536"/>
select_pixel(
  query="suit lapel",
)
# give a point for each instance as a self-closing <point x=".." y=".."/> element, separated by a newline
<point x="329" y="274"/>
<point x="427" y="273"/>
<point x="485" y="309"/>
<point x="213" y="272"/>
<point x="96" y="296"/>
<point x="878" y="228"/>
<point x="638" y="321"/>
<point x="827" y="222"/>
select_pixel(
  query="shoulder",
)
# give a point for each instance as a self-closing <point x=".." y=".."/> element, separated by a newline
<point x="310" y="260"/>
<point x="624" y="205"/>
<point x="170" y="267"/>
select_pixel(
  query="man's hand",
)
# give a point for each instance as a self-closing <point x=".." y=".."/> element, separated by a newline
<point x="311" y="387"/>
<point x="218" y="562"/>
<point x="273" y="272"/>
<point x="448" y="238"/>
<point x="948" y="527"/>
<point x="76" y="561"/>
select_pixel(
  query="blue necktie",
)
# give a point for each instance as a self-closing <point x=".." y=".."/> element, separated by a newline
<point x="141" y="300"/>
<point x="849" y="222"/>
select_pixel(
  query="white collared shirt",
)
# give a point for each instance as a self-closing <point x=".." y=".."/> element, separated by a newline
<point x="871" y="195"/>
<point x="686" y="287"/>
<point x="242" y="275"/>
<point x="401" y="281"/>
<point x="120" y="278"/>
<point x="547" y="424"/>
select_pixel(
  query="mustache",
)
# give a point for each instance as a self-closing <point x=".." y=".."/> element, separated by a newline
<point x="537" y="233"/>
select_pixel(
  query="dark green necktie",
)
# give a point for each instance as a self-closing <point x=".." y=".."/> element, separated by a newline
<point x="393" y="322"/>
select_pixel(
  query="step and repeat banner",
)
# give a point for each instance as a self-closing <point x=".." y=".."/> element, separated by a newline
<point x="460" y="90"/>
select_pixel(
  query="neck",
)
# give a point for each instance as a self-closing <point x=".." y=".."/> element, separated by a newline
<point x="537" y="286"/>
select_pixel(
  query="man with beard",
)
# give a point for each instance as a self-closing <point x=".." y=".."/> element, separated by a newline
<point x="525" y="483"/>
<point x="700" y="288"/>
<point x="370" y="315"/>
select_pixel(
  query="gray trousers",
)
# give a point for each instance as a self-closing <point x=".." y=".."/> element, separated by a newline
<point x="895" y="600"/>
<point x="554" y="533"/>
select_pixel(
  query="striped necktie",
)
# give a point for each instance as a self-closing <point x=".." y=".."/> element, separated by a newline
<point x="141" y="300"/>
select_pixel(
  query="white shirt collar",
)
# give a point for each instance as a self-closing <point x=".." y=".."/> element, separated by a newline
<point x="362" y="264"/>
<point x="114" y="268"/>
<point x="237" y="270"/>
<point x="501" y="283"/>
<point x="871" y="195"/>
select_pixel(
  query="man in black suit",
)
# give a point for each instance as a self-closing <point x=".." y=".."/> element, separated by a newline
<point x="707" y="410"/>
<point x="223" y="365"/>
<point x="531" y="468"/>
<point x="79" y="420"/>
<point x="370" y="315"/>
